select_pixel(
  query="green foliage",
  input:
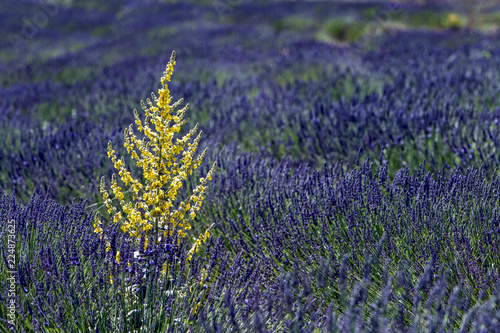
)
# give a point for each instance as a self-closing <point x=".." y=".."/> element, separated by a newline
<point x="343" y="30"/>
<point x="433" y="19"/>
<point x="295" y="24"/>
<point x="369" y="13"/>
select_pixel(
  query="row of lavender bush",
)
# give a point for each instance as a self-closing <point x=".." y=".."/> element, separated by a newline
<point x="441" y="106"/>
<point x="328" y="250"/>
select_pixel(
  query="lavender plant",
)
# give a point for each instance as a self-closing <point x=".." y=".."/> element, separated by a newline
<point x="63" y="284"/>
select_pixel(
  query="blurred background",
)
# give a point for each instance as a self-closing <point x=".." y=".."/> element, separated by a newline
<point x="266" y="76"/>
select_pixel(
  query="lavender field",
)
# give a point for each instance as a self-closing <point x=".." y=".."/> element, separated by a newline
<point x="350" y="180"/>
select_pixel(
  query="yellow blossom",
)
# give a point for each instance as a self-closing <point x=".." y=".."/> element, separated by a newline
<point x="203" y="276"/>
<point x="196" y="307"/>
<point x="201" y="239"/>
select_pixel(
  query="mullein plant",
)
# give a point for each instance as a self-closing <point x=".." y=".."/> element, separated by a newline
<point x="166" y="161"/>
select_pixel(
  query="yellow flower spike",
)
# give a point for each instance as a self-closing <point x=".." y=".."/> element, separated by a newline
<point x="196" y="307"/>
<point x="201" y="239"/>
<point x="206" y="236"/>
<point x="203" y="276"/>
<point x="166" y="160"/>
